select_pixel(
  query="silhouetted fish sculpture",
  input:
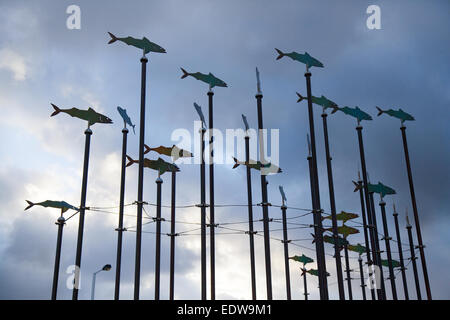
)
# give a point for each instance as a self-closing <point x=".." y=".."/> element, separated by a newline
<point x="257" y="165"/>
<point x="358" y="248"/>
<point x="173" y="152"/>
<point x="345" y="230"/>
<point x="125" y="117"/>
<point x="159" y="165"/>
<point x="302" y="259"/>
<point x="90" y="115"/>
<point x="303" y="58"/>
<point x="354" y="112"/>
<point x="343" y="216"/>
<point x="313" y="272"/>
<point x="381" y="189"/>
<point x="321" y="101"/>
<point x="395" y="263"/>
<point x="399" y="114"/>
<point x="207" y="78"/>
<point x="143" y="43"/>
<point x="64" y="206"/>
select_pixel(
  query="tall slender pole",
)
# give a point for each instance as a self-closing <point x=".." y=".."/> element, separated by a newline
<point x="264" y="203"/>
<point x="368" y="207"/>
<point x="337" y="254"/>
<point x="413" y="258"/>
<point x="172" y="239"/>
<point x="348" y="272"/>
<point x="377" y="243"/>
<point x="388" y="249"/>
<point x="94" y="276"/>
<point x="203" y="215"/>
<point x="137" y="270"/>
<point x="323" y="287"/>
<point x="88" y="133"/>
<point x="251" y="233"/>
<point x="400" y="253"/>
<point x="286" y="252"/>
<point x="305" y="284"/>
<point x="361" y="276"/>
<point x="60" y="222"/>
<point x="120" y="228"/>
<point x="416" y="215"/>
<point x="367" y="231"/>
<point x="212" y="225"/>
<point x="159" y="182"/>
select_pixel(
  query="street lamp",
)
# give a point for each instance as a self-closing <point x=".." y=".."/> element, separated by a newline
<point x="106" y="267"/>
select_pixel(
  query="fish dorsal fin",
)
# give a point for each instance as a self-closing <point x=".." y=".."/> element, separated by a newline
<point x="400" y="109"/>
<point x="90" y="109"/>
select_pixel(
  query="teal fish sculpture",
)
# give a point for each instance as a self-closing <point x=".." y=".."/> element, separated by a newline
<point x="90" y="115"/>
<point x="399" y="114"/>
<point x="344" y="230"/>
<point x="302" y="259"/>
<point x="159" y="165"/>
<point x="321" y="101"/>
<point x="395" y="263"/>
<point x="303" y="58"/>
<point x="175" y="152"/>
<point x="143" y="43"/>
<point x="381" y="189"/>
<point x="313" y="272"/>
<point x="354" y="112"/>
<point x="329" y="239"/>
<point x="358" y="248"/>
<point x="126" y="118"/>
<point x="207" y="78"/>
<point x="257" y="165"/>
<point x="200" y="114"/>
<point x="343" y="216"/>
<point x="64" y="206"/>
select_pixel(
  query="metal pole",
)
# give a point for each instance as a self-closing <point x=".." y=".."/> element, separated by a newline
<point x="159" y="182"/>
<point x="120" y="228"/>
<point x="367" y="231"/>
<point x="413" y="258"/>
<point x="211" y="200"/>
<point x="388" y="249"/>
<point x="348" y="270"/>
<point x="400" y="253"/>
<point x="203" y="215"/>
<point x="377" y="243"/>
<point x="264" y="203"/>
<point x="251" y="233"/>
<point x="60" y="222"/>
<point x="368" y="206"/>
<point x="88" y="133"/>
<point x="323" y="287"/>
<point x="337" y="254"/>
<point x="305" y="284"/>
<point x="137" y="271"/>
<point x="361" y="275"/>
<point x="286" y="253"/>
<point x="172" y="239"/>
<point x="416" y="215"/>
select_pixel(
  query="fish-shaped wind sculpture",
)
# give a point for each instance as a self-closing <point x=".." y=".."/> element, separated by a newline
<point x="302" y="259"/>
<point x="64" y="206"/>
<point x="143" y="43"/>
<point x="395" y="263"/>
<point x="207" y="78"/>
<point x="313" y="272"/>
<point x="200" y="114"/>
<point x="159" y="165"/>
<point x="244" y="118"/>
<point x="343" y="216"/>
<point x="173" y="152"/>
<point x="355" y="112"/>
<point x="283" y="195"/>
<point x="330" y="239"/>
<point x="358" y="248"/>
<point x="344" y="230"/>
<point x="265" y="169"/>
<point x="303" y="58"/>
<point x="90" y="115"/>
<point x="381" y="189"/>
<point x="126" y="118"/>
<point x="321" y="101"/>
<point x="399" y="114"/>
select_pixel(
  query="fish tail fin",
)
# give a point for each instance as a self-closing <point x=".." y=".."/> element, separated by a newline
<point x="185" y="73"/>
<point x="314" y="238"/>
<point x="280" y="54"/>
<point x="357" y="186"/>
<point x="133" y="126"/>
<point x="300" y="97"/>
<point x="380" y="112"/>
<point x="57" y="110"/>
<point x="131" y="161"/>
<point x="147" y="149"/>
<point x="236" y="164"/>
<point x="30" y="204"/>
<point x="335" y="108"/>
<point x="113" y="38"/>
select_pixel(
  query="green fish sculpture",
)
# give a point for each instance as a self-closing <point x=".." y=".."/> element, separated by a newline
<point x="322" y="101"/>
<point x="344" y="230"/>
<point x="64" y="206"/>
<point x="207" y="78"/>
<point x="302" y="259"/>
<point x="257" y="165"/>
<point x="173" y="152"/>
<point x="381" y="189"/>
<point x="303" y="58"/>
<point x="313" y="272"/>
<point x="89" y="115"/>
<point x="143" y="43"/>
<point x="159" y="165"/>
<point x="399" y="114"/>
<point x="395" y="263"/>
<point x="354" y="112"/>
<point x="340" y="241"/>
<point x="343" y="216"/>
<point x="358" y="248"/>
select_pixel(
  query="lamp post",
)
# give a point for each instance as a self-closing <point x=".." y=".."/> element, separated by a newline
<point x="106" y="267"/>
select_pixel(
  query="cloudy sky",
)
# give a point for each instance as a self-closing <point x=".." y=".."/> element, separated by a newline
<point x="403" y="65"/>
